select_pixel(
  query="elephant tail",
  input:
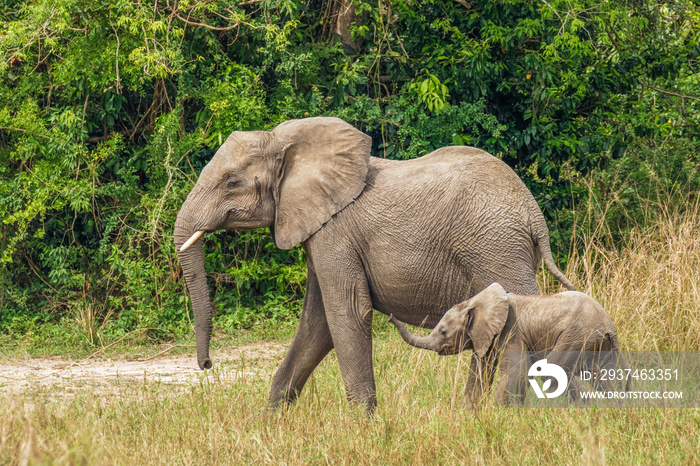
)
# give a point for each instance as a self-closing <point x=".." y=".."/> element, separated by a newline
<point x="612" y="337"/>
<point x="540" y="235"/>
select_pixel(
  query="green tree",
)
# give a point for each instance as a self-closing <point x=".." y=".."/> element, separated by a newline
<point x="108" y="111"/>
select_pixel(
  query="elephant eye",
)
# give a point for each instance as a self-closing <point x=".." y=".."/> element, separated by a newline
<point x="232" y="183"/>
<point x="443" y="331"/>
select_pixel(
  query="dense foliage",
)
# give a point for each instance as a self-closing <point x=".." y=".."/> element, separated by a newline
<point x="108" y="110"/>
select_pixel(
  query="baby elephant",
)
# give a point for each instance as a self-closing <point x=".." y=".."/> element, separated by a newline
<point x="495" y="324"/>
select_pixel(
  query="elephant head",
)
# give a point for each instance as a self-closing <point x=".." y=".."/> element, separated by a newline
<point x="291" y="179"/>
<point x="470" y="324"/>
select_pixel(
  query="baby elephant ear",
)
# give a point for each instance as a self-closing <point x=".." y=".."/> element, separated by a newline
<point x="490" y="311"/>
<point x="324" y="168"/>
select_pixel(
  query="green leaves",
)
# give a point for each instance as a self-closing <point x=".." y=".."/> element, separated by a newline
<point x="109" y="110"/>
<point x="432" y="93"/>
<point x="235" y="103"/>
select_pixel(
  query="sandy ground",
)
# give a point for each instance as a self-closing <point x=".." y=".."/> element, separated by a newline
<point x="61" y="378"/>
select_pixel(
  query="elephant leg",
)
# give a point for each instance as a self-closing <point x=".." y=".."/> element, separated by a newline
<point x="348" y="305"/>
<point x="353" y="345"/>
<point x="574" y="389"/>
<point x="481" y="372"/>
<point x="311" y="344"/>
<point x="609" y="363"/>
<point x="569" y="361"/>
<point x="513" y="378"/>
<point x="502" y="396"/>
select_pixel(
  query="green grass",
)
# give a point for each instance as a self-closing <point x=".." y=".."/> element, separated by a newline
<point x="68" y="339"/>
<point x="420" y="419"/>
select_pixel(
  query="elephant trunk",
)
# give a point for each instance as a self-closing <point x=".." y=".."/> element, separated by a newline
<point x="427" y="343"/>
<point x="192" y="263"/>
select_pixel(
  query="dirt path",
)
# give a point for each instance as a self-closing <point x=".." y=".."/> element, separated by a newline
<point x="62" y="378"/>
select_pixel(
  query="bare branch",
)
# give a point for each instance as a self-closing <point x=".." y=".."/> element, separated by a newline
<point x="213" y="28"/>
<point x="464" y="4"/>
<point x="663" y="91"/>
<point x="550" y="7"/>
<point x="217" y="28"/>
<point x="116" y="60"/>
<point x="12" y="128"/>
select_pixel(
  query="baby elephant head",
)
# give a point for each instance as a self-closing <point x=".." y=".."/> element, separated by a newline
<point x="470" y="324"/>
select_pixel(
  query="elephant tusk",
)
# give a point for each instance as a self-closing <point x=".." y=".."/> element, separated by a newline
<point x="192" y="239"/>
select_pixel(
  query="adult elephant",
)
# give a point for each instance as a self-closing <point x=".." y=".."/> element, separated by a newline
<point x="409" y="238"/>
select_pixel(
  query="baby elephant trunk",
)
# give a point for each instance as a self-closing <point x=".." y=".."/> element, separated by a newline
<point x="427" y="343"/>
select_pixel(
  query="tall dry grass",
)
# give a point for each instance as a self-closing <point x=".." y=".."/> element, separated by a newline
<point x="224" y="421"/>
<point x="649" y="284"/>
<point x="420" y="420"/>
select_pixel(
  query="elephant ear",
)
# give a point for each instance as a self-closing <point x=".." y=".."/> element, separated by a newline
<point x="489" y="311"/>
<point x="324" y="168"/>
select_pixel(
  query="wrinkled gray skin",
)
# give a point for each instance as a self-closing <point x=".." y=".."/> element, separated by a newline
<point x="410" y="238"/>
<point x="494" y="324"/>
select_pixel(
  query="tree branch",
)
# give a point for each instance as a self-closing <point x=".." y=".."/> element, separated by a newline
<point x="12" y="128"/>
<point x="667" y="92"/>
<point x="464" y="4"/>
<point x="213" y="28"/>
<point x="552" y="8"/>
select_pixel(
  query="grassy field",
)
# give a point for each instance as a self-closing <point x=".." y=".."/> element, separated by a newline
<point x="222" y="419"/>
<point x="651" y="288"/>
